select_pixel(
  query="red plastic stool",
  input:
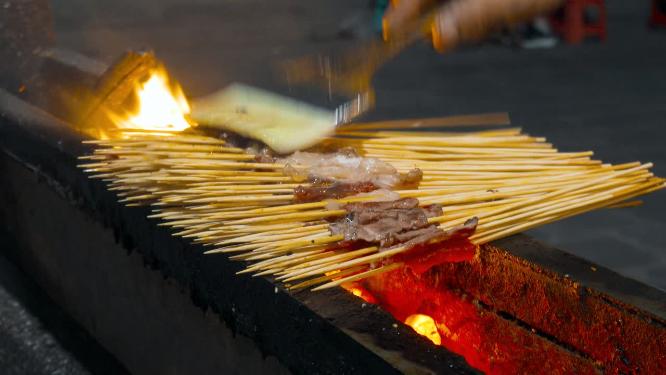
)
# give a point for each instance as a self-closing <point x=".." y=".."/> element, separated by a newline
<point x="571" y="25"/>
<point x="658" y="13"/>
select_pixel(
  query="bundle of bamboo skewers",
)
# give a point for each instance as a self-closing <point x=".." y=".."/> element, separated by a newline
<point x="220" y="196"/>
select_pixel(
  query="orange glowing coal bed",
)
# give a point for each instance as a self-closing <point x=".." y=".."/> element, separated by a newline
<point x="425" y="325"/>
<point x="486" y="340"/>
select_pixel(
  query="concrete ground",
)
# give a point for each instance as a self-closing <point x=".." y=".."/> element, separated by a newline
<point x="607" y="97"/>
<point x="37" y="337"/>
<point x="26" y="346"/>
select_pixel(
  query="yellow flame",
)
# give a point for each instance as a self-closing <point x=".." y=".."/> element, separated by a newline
<point x="424" y="326"/>
<point x="357" y="292"/>
<point x="162" y="106"/>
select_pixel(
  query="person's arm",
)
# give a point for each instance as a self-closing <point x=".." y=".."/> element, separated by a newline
<point x="463" y="21"/>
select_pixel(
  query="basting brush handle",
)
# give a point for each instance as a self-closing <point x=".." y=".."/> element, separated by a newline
<point x="350" y="72"/>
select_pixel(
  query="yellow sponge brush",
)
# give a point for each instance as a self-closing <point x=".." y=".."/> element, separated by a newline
<point x="283" y="124"/>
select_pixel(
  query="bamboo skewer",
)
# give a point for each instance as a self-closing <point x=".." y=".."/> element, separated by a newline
<point x="220" y="196"/>
<point x="544" y="220"/>
<point x="451" y="121"/>
<point x="358" y="276"/>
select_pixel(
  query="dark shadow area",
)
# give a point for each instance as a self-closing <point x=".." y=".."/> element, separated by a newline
<point x="37" y="336"/>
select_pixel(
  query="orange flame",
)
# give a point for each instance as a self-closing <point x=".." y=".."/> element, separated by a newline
<point x="424" y="325"/>
<point x="357" y="292"/>
<point x="162" y="106"/>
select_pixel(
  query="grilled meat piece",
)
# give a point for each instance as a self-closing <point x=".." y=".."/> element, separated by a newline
<point x="346" y="166"/>
<point x="335" y="190"/>
<point x="384" y="222"/>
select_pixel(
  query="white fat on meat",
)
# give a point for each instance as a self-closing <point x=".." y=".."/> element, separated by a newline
<point x="341" y="166"/>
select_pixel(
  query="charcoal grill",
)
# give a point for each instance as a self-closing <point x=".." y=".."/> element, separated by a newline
<point x="157" y="304"/>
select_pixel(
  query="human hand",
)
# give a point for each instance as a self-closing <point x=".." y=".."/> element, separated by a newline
<point x="464" y="21"/>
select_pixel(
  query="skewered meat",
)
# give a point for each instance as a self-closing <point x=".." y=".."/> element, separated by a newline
<point x="432" y="234"/>
<point x="335" y="190"/>
<point x="379" y="195"/>
<point x="384" y="222"/>
<point x="431" y="246"/>
<point x="346" y="166"/>
<point x="411" y="179"/>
